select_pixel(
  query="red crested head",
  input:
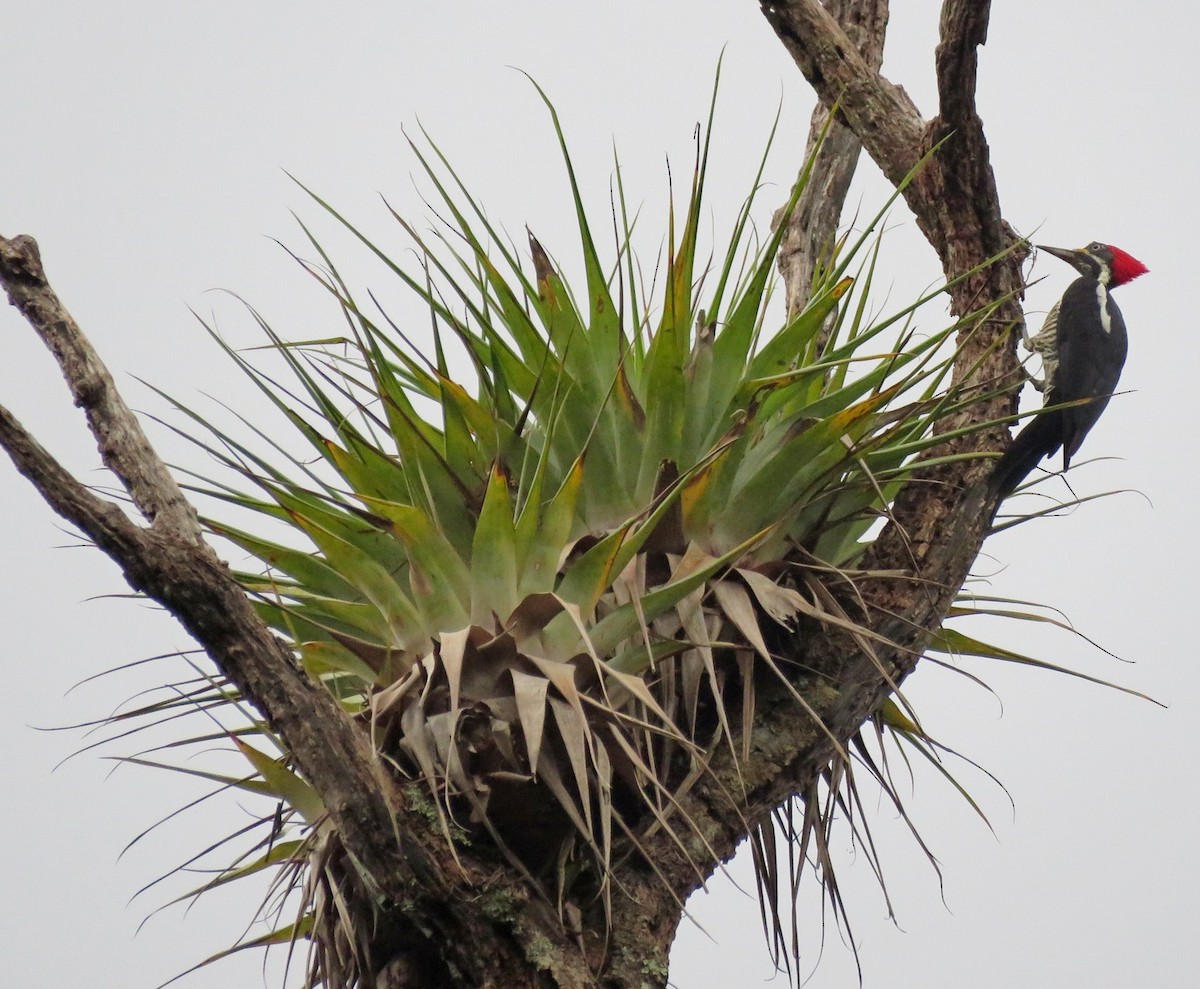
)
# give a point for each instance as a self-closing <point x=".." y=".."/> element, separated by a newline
<point x="1125" y="267"/>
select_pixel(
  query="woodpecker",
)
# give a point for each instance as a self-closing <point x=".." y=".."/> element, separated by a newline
<point x="1082" y="346"/>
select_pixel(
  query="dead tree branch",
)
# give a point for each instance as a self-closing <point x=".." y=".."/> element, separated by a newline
<point x="938" y="522"/>
<point x="123" y="446"/>
<point x="170" y="562"/>
<point x="812" y="227"/>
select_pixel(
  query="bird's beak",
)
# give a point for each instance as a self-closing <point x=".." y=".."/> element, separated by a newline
<point x="1079" y="260"/>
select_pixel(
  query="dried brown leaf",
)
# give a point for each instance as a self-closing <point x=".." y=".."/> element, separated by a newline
<point x="530" y="692"/>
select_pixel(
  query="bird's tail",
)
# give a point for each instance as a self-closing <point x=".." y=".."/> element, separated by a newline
<point x="1042" y="437"/>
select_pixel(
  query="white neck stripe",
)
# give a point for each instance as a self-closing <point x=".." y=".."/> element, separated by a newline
<point x="1102" y="298"/>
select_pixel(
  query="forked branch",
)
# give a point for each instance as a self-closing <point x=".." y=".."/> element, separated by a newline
<point x="170" y="562"/>
<point x="940" y="518"/>
<point x="123" y="446"/>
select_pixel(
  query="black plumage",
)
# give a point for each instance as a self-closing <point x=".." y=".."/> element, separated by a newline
<point x="1083" y="347"/>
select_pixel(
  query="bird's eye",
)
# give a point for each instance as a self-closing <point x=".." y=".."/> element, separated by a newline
<point x="1095" y="245"/>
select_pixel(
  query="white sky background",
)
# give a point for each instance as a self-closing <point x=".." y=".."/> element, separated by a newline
<point x="143" y="145"/>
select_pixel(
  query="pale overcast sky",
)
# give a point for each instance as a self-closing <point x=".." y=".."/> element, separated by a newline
<point x="144" y="144"/>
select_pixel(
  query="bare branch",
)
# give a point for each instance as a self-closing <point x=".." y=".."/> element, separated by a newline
<point x="169" y="561"/>
<point x="812" y="228"/>
<point x="880" y="113"/>
<point x="967" y="229"/>
<point x="98" y="518"/>
<point x="123" y="446"/>
<point x="963" y="28"/>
